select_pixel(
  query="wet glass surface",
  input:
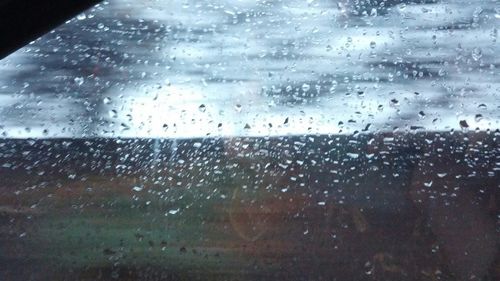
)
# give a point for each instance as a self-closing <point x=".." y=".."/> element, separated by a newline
<point x="254" y="140"/>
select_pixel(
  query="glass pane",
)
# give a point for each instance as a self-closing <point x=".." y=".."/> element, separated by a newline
<point x="254" y="140"/>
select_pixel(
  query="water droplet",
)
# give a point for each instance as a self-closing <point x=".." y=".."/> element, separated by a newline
<point x="113" y="113"/>
<point x="334" y="86"/>
<point x="202" y="108"/>
<point x="106" y="100"/>
<point x="81" y="16"/>
<point x="79" y="81"/>
<point x="482" y="106"/>
<point x="353" y="155"/>
<point x="173" y="212"/>
<point x="124" y="127"/>
<point x="390" y="77"/>
<point x="373" y="44"/>
<point x="442" y="175"/>
<point x="306" y="87"/>
<point x="477" y="53"/>
<point x="137" y="188"/>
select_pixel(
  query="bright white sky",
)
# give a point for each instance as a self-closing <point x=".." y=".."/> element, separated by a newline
<point x="227" y="57"/>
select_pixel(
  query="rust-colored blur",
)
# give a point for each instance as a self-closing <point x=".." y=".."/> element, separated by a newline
<point x="369" y="207"/>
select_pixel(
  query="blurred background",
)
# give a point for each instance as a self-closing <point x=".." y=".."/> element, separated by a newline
<point x="232" y="68"/>
<point x="254" y="140"/>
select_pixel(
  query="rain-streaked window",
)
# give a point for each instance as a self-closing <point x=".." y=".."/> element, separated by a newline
<point x="254" y="140"/>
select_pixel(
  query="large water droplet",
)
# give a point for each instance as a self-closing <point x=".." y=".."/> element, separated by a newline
<point x="477" y="53"/>
<point x="79" y="81"/>
<point x="137" y="188"/>
<point x="306" y="87"/>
